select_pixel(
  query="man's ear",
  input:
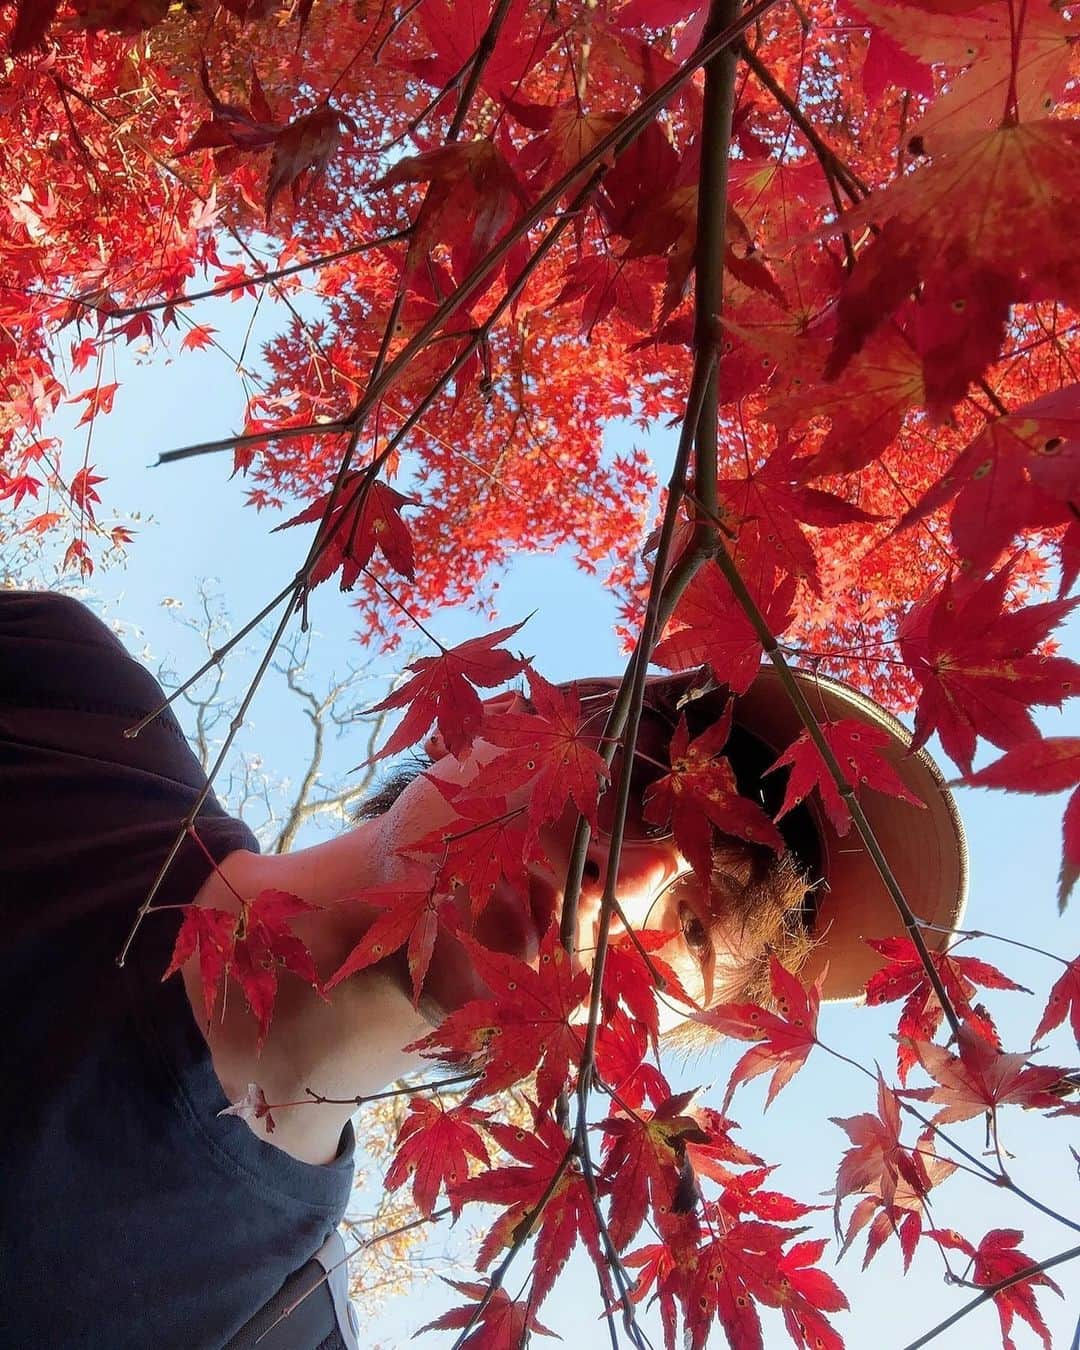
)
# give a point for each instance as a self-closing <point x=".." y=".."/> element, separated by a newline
<point x="510" y="702"/>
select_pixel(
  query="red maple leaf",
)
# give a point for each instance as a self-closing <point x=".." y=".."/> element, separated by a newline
<point x="197" y="337"/>
<point x="473" y="197"/>
<point x="38" y="525"/>
<point x="1064" y="999"/>
<point x="933" y="223"/>
<point x="902" y="1217"/>
<point x="745" y="1265"/>
<point x="502" y="1325"/>
<point x="1003" y="63"/>
<point x="622" y="1043"/>
<point x="454" y="32"/>
<point x="858" y="750"/>
<point x="982" y="1078"/>
<point x="865" y="405"/>
<point x="84" y="489"/>
<point x="486" y="841"/>
<point x="717" y="633"/>
<point x="237" y="281"/>
<point x="804" y="1293"/>
<point x="658" y="1267"/>
<point x="787" y="1036"/>
<point x="978" y="668"/>
<point x="568" y="1216"/>
<point x="20" y="486"/>
<point x="877" y="1162"/>
<point x="888" y="64"/>
<point x="646" y="1167"/>
<point x="411" y="914"/>
<point x="998" y="1257"/>
<point x="905" y="977"/>
<point x="552" y="749"/>
<point x="726" y="1281"/>
<point x="210" y="932"/>
<point x="441" y="690"/>
<point x="699" y="792"/>
<point x="252" y="946"/>
<point x="232" y="125"/>
<point x="715" y="1156"/>
<point x="264" y="945"/>
<point x="301" y="152"/>
<point x="99" y="399"/>
<point x="301" y="149"/>
<point x="631" y="979"/>
<point x="1020" y="472"/>
<point x="743" y="1194"/>
<point x="1051" y="764"/>
<point x="524" y="1025"/>
<point x="771" y="496"/>
<point x="366" y="517"/>
<point x="603" y="283"/>
<point x="433" y="1147"/>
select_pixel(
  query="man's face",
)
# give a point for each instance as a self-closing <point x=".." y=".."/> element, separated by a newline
<point x="656" y="890"/>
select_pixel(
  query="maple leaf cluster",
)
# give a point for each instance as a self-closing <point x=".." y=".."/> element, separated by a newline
<point x="829" y="368"/>
<point x="252" y="945"/>
<point x="716" y="1258"/>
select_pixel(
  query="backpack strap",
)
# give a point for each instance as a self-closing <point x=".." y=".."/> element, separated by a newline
<point x="324" y="1319"/>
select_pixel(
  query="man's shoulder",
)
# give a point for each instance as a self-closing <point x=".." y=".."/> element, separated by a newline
<point x="51" y="613"/>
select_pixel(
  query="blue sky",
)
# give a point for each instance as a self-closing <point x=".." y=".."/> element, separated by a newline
<point x="194" y="526"/>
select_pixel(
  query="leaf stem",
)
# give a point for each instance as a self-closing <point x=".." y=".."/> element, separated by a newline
<point x="994" y="937"/>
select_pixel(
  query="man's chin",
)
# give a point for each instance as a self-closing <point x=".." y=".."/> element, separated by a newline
<point x="513" y="922"/>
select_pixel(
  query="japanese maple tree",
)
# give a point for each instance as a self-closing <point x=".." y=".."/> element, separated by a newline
<point x="832" y="243"/>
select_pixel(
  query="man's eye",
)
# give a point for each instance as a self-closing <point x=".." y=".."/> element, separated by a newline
<point x="694" y="932"/>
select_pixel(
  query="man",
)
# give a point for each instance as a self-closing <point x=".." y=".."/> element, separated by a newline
<point x="134" y="1213"/>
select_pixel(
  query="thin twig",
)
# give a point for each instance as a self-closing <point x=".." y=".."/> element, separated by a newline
<point x="604" y="152"/>
<point x="215" y="659"/>
<point x="479" y="59"/>
<point x="405" y="1091"/>
<point x="635" y="1333"/>
<point x="852" y="184"/>
<point x="994" y="937"/>
<point x="261" y="278"/>
<point x="188" y="822"/>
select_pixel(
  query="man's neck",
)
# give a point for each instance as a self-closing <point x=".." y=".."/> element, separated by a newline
<point x="346" y="1048"/>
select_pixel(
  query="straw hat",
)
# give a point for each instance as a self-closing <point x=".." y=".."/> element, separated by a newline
<point x="925" y="848"/>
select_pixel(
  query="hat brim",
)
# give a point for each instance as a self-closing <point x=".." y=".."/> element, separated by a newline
<point x="924" y="846"/>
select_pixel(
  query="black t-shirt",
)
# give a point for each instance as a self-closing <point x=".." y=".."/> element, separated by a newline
<point x="131" y="1214"/>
